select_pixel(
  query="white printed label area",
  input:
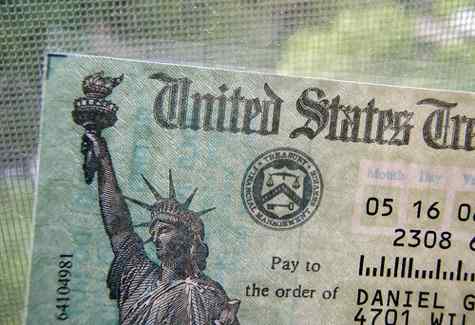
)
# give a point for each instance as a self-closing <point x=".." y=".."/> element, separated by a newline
<point x="427" y="211"/>
<point x="449" y="190"/>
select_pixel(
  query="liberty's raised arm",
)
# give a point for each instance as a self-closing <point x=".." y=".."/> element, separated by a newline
<point x="114" y="210"/>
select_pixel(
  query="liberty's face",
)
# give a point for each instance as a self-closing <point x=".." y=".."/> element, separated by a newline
<point x="171" y="241"/>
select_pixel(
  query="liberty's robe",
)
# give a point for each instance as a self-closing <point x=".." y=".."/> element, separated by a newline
<point x="134" y="280"/>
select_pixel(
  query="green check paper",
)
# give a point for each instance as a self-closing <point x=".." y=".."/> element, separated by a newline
<point x="180" y="195"/>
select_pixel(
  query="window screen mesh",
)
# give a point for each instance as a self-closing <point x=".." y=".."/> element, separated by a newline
<point x="427" y="43"/>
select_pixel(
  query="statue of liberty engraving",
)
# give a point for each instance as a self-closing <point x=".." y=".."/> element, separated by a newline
<point x="176" y="291"/>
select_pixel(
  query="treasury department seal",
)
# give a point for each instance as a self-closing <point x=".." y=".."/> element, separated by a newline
<point x="282" y="188"/>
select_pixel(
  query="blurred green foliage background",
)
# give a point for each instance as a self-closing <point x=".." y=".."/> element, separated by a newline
<point x="426" y="43"/>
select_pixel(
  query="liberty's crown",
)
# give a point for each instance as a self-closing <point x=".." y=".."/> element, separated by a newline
<point x="170" y="210"/>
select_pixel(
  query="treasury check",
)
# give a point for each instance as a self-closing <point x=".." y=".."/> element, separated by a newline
<point x="179" y="195"/>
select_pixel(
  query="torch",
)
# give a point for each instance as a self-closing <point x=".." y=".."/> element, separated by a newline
<point x="94" y="113"/>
